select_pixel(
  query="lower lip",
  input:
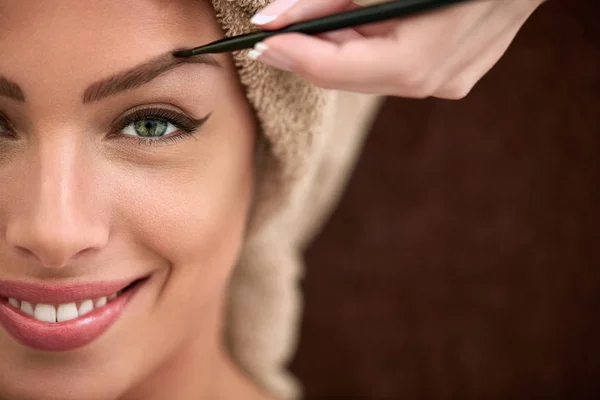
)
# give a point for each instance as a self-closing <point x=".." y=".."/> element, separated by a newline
<point x="63" y="336"/>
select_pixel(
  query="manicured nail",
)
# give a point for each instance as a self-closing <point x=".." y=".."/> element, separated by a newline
<point x="272" y="11"/>
<point x="257" y="51"/>
<point x="265" y="54"/>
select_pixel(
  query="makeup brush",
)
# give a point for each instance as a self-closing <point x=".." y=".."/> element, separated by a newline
<point x="347" y="19"/>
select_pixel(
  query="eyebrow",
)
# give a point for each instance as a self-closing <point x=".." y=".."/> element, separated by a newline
<point x="142" y="74"/>
<point x="11" y="90"/>
<point x="123" y="81"/>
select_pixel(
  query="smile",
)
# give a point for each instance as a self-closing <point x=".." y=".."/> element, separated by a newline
<point x="61" y="318"/>
<point x="60" y="312"/>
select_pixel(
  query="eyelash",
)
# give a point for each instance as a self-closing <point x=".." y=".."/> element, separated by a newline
<point x="187" y="126"/>
<point x="4" y="124"/>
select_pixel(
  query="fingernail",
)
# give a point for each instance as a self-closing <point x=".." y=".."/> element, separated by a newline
<point x="272" y="11"/>
<point x="265" y="54"/>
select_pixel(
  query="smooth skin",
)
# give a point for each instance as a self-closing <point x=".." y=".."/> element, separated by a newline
<point x="441" y="54"/>
<point x="83" y="201"/>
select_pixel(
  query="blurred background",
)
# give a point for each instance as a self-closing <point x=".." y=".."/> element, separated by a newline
<point x="464" y="260"/>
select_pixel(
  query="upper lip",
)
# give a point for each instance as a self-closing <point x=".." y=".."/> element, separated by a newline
<point x="59" y="294"/>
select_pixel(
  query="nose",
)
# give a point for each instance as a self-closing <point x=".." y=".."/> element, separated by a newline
<point x="55" y="220"/>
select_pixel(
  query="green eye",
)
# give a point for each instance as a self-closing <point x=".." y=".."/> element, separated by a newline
<point x="149" y="128"/>
<point x="155" y="125"/>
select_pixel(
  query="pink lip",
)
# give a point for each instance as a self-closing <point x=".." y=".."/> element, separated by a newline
<point x="59" y="294"/>
<point x="68" y="335"/>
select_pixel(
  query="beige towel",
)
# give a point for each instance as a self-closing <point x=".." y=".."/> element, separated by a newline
<point x="310" y="140"/>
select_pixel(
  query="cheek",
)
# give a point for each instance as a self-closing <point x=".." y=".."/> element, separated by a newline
<point x="194" y="214"/>
<point x="193" y="219"/>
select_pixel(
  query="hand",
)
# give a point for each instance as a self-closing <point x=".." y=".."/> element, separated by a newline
<point x="441" y="54"/>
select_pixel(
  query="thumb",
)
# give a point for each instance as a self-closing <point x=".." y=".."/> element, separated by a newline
<point x="281" y="13"/>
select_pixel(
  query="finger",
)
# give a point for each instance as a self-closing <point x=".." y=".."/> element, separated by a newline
<point x="341" y="36"/>
<point x="283" y="9"/>
<point x="285" y="12"/>
<point x="328" y="64"/>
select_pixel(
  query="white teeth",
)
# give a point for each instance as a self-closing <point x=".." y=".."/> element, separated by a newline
<point x="86" y="307"/>
<point x="66" y="312"/>
<point x="13" y="302"/>
<point x="45" y="312"/>
<point x="100" y="302"/>
<point x="27" y="308"/>
<point x="62" y="312"/>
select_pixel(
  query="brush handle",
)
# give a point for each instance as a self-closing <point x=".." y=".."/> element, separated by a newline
<point x="348" y="19"/>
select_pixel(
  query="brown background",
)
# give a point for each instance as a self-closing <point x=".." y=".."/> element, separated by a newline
<point x="463" y="262"/>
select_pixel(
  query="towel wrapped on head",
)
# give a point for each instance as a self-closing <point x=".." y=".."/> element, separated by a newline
<point x="309" y="140"/>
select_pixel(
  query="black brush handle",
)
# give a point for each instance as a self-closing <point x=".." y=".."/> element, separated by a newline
<point x="348" y="19"/>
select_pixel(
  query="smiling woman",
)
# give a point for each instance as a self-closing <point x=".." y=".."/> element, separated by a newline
<point x="149" y="225"/>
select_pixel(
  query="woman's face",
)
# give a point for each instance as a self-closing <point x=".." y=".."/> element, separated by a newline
<point x="115" y="165"/>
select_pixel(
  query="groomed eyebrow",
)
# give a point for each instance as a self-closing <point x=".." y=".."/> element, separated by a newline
<point x="141" y="74"/>
<point x="123" y="81"/>
<point x="11" y="90"/>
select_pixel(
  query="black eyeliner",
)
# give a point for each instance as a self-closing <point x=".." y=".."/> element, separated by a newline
<point x="186" y="125"/>
<point x="181" y="121"/>
<point x="5" y="124"/>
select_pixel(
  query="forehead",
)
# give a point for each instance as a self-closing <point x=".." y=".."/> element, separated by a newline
<point x="43" y="41"/>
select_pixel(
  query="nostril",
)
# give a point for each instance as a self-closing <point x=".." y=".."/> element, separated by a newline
<point x="25" y="252"/>
<point x="84" y="251"/>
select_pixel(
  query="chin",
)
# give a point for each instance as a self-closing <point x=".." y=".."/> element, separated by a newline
<point x="30" y="387"/>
